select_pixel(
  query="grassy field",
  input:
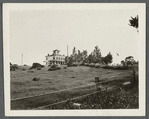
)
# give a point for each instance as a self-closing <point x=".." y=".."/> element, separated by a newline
<point x="23" y="86"/>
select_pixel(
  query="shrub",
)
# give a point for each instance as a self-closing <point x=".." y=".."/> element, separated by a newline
<point x="31" y="71"/>
<point x="120" y="67"/>
<point x="65" y="67"/>
<point x="107" y="67"/>
<point x="92" y="65"/>
<point x="13" y="67"/>
<point x="74" y="65"/>
<point x="97" y="65"/>
<point x="86" y="64"/>
<point x="36" y="79"/>
<point x="39" y="68"/>
<point x="54" y="66"/>
<point x="71" y="65"/>
<point x="23" y="69"/>
<point x="36" y="65"/>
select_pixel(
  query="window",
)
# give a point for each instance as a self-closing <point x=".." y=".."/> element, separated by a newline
<point x="53" y="57"/>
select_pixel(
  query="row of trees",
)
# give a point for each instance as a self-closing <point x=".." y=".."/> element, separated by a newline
<point x="83" y="57"/>
<point x="95" y="56"/>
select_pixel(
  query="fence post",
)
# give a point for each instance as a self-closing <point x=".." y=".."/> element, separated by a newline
<point x="97" y="82"/>
<point x="134" y="75"/>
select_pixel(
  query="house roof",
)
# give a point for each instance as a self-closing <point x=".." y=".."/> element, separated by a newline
<point x="54" y="55"/>
<point x="56" y="50"/>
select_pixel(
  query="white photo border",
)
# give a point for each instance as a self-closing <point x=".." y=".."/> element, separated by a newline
<point x="77" y="6"/>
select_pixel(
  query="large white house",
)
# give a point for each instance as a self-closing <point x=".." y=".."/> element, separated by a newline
<point x="55" y="58"/>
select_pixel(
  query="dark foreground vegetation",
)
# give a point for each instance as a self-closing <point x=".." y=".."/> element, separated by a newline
<point x="122" y="99"/>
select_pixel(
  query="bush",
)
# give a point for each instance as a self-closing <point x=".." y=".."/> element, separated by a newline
<point x="92" y="65"/>
<point x="65" y="67"/>
<point x="82" y="64"/>
<point x="54" y="67"/>
<point x="31" y="71"/>
<point x="36" y="65"/>
<point x="36" y="79"/>
<point x="39" y="68"/>
<point x="23" y="69"/>
<point x="97" y="65"/>
<point x="71" y="65"/>
<point x="107" y="67"/>
<point x="13" y="67"/>
<point x="115" y="67"/>
<point x="120" y="67"/>
<point x="74" y="65"/>
<point x="86" y="64"/>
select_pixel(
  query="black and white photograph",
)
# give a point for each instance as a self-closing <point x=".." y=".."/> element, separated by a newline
<point x="74" y="59"/>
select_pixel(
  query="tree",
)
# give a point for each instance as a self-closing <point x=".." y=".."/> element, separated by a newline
<point x="96" y="55"/>
<point x="91" y="58"/>
<point x="79" y="53"/>
<point x="74" y="50"/>
<point x="78" y="57"/>
<point x="66" y="59"/>
<point x="70" y="59"/>
<point x="107" y="59"/>
<point x="74" y="55"/>
<point x="129" y="60"/>
<point x="84" y="56"/>
<point x="123" y="62"/>
<point x="134" y="22"/>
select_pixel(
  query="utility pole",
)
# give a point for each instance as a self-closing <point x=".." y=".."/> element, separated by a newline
<point x="22" y="60"/>
<point x="67" y="53"/>
<point x="67" y="50"/>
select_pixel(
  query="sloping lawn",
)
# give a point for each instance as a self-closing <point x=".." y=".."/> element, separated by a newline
<point x="23" y="86"/>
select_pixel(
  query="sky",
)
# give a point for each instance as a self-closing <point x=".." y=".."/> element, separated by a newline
<point x="36" y="33"/>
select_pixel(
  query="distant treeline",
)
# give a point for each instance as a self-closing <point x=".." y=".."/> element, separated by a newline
<point x="78" y="57"/>
<point x="83" y="57"/>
